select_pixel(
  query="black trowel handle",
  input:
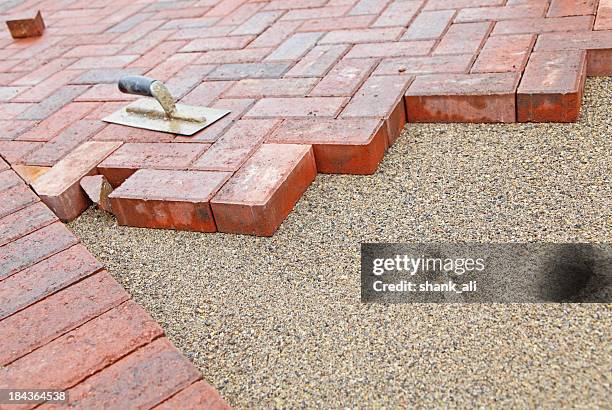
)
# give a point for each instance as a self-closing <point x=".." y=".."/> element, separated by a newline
<point x="136" y="84"/>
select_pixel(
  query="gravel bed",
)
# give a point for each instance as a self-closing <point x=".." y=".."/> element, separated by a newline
<point x="277" y="322"/>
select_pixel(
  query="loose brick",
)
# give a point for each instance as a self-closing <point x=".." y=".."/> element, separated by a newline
<point x="399" y="13"/>
<point x="282" y="87"/>
<point x="344" y="78"/>
<point x="294" y="47"/>
<point x="249" y="70"/>
<point x="168" y="199"/>
<point x="53" y="103"/>
<point x="26" y="27"/>
<point x="463" y="98"/>
<point x="9" y="179"/>
<point x="425" y="65"/>
<point x="57" y="314"/>
<point x="235" y="146"/>
<point x="369" y="35"/>
<point x="543" y="25"/>
<point x="604" y="15"/>
<point x="318" y="61"/>
<point x="551" y="87"/>
<point x="463" y="38"/>
<point x="397" y="49"/>
<point x="45" y="278"/>
<point x="219" y="43"/>
<point x="520" y="11"/>
<point x="51" y="126"/>
<point x="341" y="146"/>
<point x="597" y="43"/>
<point x="133" y="156"/>
<point x="34" y="247"/>
<point x="83" y="351"/>
<point x="143" y="379"/>
<point x="15" y="198"/>
<point x="381" y="97"/>
<point x="296" y="107"/>
<point x="25" y="221"/>
<point x="59" y="188"/>
<point x="65" y="142"/>
<point x="504" y="54"/>
<point x="30" y="173"/>
<point x="562" y="8"/>
<point x="429" y="25"/>
<point x="199" y="395"/>
<point x="210" y="134"/>
<point x="97" y="189"/>
<point x="261" y="194"/>
<point x="337" y="23"/>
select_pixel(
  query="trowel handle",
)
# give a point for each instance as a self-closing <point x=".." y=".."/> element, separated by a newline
<point x="136" y="84"/>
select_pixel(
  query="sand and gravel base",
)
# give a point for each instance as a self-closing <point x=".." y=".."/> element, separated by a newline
<point x="277" y="322"/>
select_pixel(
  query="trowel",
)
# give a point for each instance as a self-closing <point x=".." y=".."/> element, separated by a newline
<point x="161" y="113"/>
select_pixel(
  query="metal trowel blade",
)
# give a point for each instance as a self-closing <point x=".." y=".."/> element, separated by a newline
<point x="156" y="120"/>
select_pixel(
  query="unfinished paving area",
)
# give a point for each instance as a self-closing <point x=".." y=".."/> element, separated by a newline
<point x="278" y="321"/>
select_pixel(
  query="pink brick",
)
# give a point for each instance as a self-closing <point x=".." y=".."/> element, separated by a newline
<point x="219" y="43"/>
<point x="62" y="144"/>
<point x="294" y="47"/>
<point x="199" y="395"/>
<point x="235" y="146"/>
<point x="34" y="247"/>
<point x="294" y="4"/>
<point x="281" y="87"/>
<point x="318" y="61"/>
<point x="247" y="55"/>
<point x="104" y="62"/>
<point x="116" y="132"/>
<point x="168" y="199"/>
<point x="381" y="97"/>
<point x="59" y="313"/>
<point x="297" y="107"/>
<point x="463" y="38"/>
<point x="397" y="49"/>
<point x="398" y="13"/>
<point x="207" y="92"/>
<point x="240" y="15"/>
<point x="59" y="188"/>
<point x="11" y="129"/>
<point x="504" y="54"/>
<point x="44" y="71"/>
<point x="9" y="179"/>
<point x="604" y="15"/>
<point x="369" y="35"/>
<point x="104" y="93"/>
<point x="551" y="87"/>
<point x="143" y="379"/>
<point x="24" y="221"/>
<point x="45" y="278"/>
<point x="45" y="88"/>
<point x="15" y="198"/>
<point x="463" y="98"/>
<point x="368" y="7"/>
<point x="337" y="23"/>
<point x="543" y="25"/>
<point x="249" y="70"/>
<point x="261" y="194"/>
<point x="158" y="54"/>
<point x="133" y="156"/>
<point x="52" y="125"/>
<point x="275" y="34"/>
<point x="257" y="23"/>
<point x="344" y="78"/>
<point x="341" y="146"/>
<point x="429" y="25"/>
<point x="173" y="64"/>
<point x="459" y="4"/>
<point x="425" y="65"/>
<point x="95" y="50"/>
<point x="315" y="13"/>
<point x="562" y="8"/>
<point x="528" y="10"/>
<point x="53" y="103"/>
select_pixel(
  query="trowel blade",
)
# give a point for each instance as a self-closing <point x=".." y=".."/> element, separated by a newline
<point x="161" y="123"/>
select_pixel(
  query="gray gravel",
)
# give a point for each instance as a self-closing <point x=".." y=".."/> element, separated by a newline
<point x="277" y="322"/>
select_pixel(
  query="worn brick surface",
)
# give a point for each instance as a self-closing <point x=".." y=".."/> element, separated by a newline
<point x="504" y="54"/>
<point x="551" y="87"/>
<point x="45" y="278"/>
<point x="141" y="380"/>
<point x="134" y="156"/>
<point x="61" y="312"/>
<point x="463" y="98"/>
<point x="59" y="187"/>
<point x="275" y="177"/>
<point x="168" y="199"/>
<point x="344" y="79"/>
<point x="429" y="25"/>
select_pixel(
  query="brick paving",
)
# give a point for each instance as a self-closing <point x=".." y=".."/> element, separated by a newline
<point x="312" y="85"/>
